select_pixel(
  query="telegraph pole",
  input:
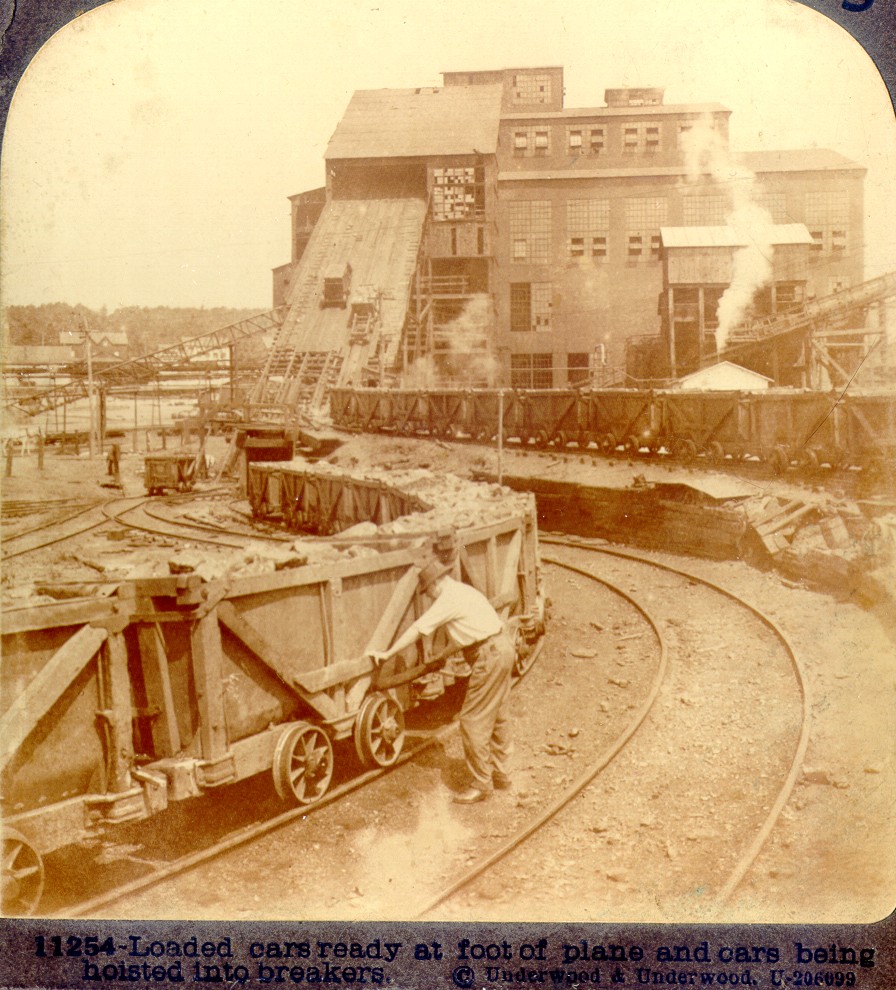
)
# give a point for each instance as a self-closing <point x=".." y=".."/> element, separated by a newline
<point x="90" y="396"/>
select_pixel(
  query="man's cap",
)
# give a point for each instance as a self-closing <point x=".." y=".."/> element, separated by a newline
<point x="432" y="571"/>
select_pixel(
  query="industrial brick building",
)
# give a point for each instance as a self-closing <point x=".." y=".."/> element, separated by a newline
<point x="492" y="235"/>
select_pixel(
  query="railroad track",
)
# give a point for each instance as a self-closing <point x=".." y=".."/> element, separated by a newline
<point x="669" y="652"/>
<point x="716" y="892"/>
<point x="137" y="512"/>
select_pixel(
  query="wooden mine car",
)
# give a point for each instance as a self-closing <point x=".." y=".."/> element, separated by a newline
<point x="175" y="471"/>
<point x="336" y="287"/>
<point x="779" y="426"/>
<point x="170" y="688"/>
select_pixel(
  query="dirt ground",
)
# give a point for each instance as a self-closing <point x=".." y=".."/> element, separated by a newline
<point x="832" y="858"/>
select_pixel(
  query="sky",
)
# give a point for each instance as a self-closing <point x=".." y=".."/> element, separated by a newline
<point x="152" y="144"/>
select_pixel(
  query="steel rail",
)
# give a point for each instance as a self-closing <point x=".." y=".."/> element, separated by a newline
<point x="752" y="852"/>
<point x="254" y="831"/>
<point x="605" y="758"/>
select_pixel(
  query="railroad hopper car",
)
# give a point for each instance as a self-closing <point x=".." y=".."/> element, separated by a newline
<point x="172" y="687"/>
<point x="778" y="426"/>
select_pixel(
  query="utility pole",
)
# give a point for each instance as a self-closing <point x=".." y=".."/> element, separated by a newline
<point x="88" y="342"/>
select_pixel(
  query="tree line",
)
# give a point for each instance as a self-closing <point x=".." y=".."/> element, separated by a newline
<point x="149" y="328"/>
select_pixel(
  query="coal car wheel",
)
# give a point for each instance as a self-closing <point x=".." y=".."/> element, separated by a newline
<point x="779" y="460"/>
<point x="23" y="875"/>
<point x="608" y="443"/>
<point x="715" y="452"/>
<point x="524" y="653"/>
<point x="303" y="764"/>
<point x="379" y="731"/>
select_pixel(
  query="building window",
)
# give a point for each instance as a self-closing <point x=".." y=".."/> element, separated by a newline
<point x="652" y="140"/>
<point x="587" y="227"/>
<point x="542" y="142"/>
<point x="577" y="368"/>
<point x="704" y="211"/>
<point x="458" y="193"/>
<point x="597" y="140"/>
<point x="776" y="205"/>
<point x="541" y="305"/>
<point x="520" y="142"/>
<point x="531" y="87"/>
<point x="531" y="370"/>
<point x="520" y="306"/>
<point x="574" y="140"/>
<point x="643" y="218"/>
<point x="631" y="139"/>
<point x="530" y="231"/>
<point x="827" y="217"/>
<point x="530" y="306"/>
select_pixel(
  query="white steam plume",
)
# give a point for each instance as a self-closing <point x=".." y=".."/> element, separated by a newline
<point x="706" y="153"/>
<point x="467" y="359"/>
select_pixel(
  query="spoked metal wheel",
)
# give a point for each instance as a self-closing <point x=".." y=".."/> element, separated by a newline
<point x="23" y="875"/>
<point x="524" y="653"/>
<point x="379" y="731"/>
<point x="303" y="764"/>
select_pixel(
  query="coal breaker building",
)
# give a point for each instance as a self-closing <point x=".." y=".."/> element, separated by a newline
<point x="481" y="232"/>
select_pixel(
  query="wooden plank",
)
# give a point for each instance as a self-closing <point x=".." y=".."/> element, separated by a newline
<point x="402" y="596"/>
<point x="318" y="573"/>
<point x="510" y="575"/>
<point x="46" y="688"/>
<point x="205" y="642"/>
<point x="491" y="567"/>
<point x="120" y="713"/>
<point x="276" y="660"/>
<point x="20" y="620"/>
<point x="165" y="730"/>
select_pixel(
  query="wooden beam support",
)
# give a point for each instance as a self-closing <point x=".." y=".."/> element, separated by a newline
<point x="46" y="688"/>
<point x="119" y="709"/>
<point x="301" y="684"/>
<point x="165" y="729"/>
<point x="205" y="641"/>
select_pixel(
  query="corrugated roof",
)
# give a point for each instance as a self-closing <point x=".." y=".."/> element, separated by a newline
<point x="648" y="110"/>
<point x="732" y="236"/>
<point x="407" y="123"/>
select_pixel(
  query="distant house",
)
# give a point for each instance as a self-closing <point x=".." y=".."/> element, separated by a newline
<point x="108" y="347"/>
<point x="20" y="357"/>
<point x="724" y="377"/>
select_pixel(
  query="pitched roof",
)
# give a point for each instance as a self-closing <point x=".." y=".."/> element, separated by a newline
<point x="407" y="123"/>
<point x="730" y="236"/>
<point x="797" y="160"/>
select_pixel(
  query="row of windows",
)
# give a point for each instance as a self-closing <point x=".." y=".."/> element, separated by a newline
<point x="588" y="224"/>
<point x="593" y="139"/>
<point x="537" y="370"/>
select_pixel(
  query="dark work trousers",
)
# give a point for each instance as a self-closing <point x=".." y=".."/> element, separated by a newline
<point x="485" y="715"/>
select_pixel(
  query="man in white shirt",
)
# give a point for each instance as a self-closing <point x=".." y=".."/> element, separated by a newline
<point x="475" y="628"/>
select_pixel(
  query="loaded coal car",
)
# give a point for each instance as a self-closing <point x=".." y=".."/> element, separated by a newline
<point x="170" y="688"/>
<point x="716" y="424"/>
<point x="626" y="417"/>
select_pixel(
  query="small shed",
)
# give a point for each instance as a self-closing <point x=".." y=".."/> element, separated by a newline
<point x="724" y="377"/>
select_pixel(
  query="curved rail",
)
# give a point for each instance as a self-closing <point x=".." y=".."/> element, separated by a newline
<point x="749" y="857"/>
<point x="256" y="831"/>
<point x="585" y="779"/>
